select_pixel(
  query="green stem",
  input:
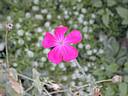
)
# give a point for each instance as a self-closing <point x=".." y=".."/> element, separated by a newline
<point x="6" y="45"/>
<point x="81" y="87"/>
<point x="26" y="77"/>
<point x="101" y="81"/>
<point x="80" y="68"/>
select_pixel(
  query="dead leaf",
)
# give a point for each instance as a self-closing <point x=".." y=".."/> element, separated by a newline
<point x="15" y="85"/>
<point x="97" y="91"/>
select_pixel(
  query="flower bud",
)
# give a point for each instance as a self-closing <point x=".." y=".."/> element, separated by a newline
<point x="9" y="26"/>
<point x="116" y="78"/>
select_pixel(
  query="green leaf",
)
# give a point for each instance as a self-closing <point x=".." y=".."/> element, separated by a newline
<point x="111" y="2"/>
<point x="97" y="3"/>
<point x="114" y="44"/>
<point x="109" y="91"/>
<point x="126" y="79"/>
<point x="123" y="12"/>
<point x="112" y="68"/>
<point x="123" y="89"/>
<point x="101" y="11"/>
<point x="105" y="19"/>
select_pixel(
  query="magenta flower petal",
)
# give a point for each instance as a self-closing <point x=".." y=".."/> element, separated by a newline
<point x="48" y="41"/>
<point x="55" y="56"/>
<point x="69" y="52"/>
<point x="74" y="37"/>
<point x="60" y="31"/>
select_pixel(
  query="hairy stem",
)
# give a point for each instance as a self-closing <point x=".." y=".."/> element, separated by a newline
<point x="80" y="68"/>
<point x="6" y="46"/>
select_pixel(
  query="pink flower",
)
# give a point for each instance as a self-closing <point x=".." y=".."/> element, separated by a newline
<point x="62" y="49"/>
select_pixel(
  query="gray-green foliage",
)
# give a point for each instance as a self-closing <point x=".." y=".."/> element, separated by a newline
<point x="92" y="17"/>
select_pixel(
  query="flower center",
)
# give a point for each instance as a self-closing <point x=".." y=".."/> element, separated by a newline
<point x="61" y="42"/>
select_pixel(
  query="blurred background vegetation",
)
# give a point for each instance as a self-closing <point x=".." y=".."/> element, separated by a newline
<point x="103" y="51"/>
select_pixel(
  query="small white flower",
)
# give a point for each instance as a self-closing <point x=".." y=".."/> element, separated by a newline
<point x="47" y="24"/>
<point x="70" y="22"/>
<point x="89" y="52"/>
<point x="80" y="19"/>
<point x="44" y="11"/>
<point x="35" y="64"/>
<point x="102" y="67"/>
<point x="94" y="50"/>
<point x="35" y="8"/>
<point x="20" y="41"/>
<point x="20" y="32"/>
<point x="85" y="22"/>
<point x="81" y="16"/>
<point x="38" y="44"/>
<point x="30" y="54"/>
<point x="73" y="64"/>
<point x="88" y="46"/>
<point x="49" y="16"/>
<point x="38" y="17"/>
<point x="18" y="25"/>
<point x="36" y="1"/>
<point x="86" y="36"/>
<point x="91" y="21"/>
<point x="89" y="64"/>
<point x="93" y="58"/>
<point x="85" y="29"/>
<point x="43" y="59"/>
<point x="28" y="38"/>
<point x="9" y="18"/>
<point x="40" y="38"/>
<point x="65" y="12"/>
<point x="39" y="29"/>
<point x="93" y="16"/>
<point x="76" y="13"/>
<point x="18" y="52"/>
<point x="15" y="64"/>
<point x="83" y="10"/>
<point x="72" y="83"/>
<point x="101" y="51"/>
<point x="46" y="50"/>
<point x="66" y="16"/>
<point x="28" y="34"/>
<point x="85" y="69"/>
<point x="61" y="65"/>
<point x="74" y="76"/>
<point x="79" y="0"/>
<point x="75" y="26"/>
<point x="52" y="68"/>
<point x="58" y="17"/>
<point x="28" y="15"/>
<point x="2" y="46"/>
<point x="80" y="45"/>
<point x="65" y="78"/>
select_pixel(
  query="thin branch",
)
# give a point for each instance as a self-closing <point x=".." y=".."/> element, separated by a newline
<point x="48" y="94"/>
<point x="26" y="77"/>
<point x="28" y="89"/>
<point x="6" y="48"/>
<point x="101" y="81"/>
<point x="80" y="68"/>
